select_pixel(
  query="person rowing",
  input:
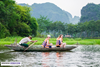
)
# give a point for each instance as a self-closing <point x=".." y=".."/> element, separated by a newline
<point x="46" y="43"/>
<point x="59" y="42"/>
<point x="25" y="40"/>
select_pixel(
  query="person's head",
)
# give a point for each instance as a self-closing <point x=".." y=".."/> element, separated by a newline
<point x="61" y="36"/>
<point x="48" y="36"/>
<point x="30" y="37"/>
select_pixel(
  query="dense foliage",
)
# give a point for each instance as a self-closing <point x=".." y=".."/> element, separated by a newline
<point x="44" y="24"/>
<point x="90" y="12"/>
<point x="86" y="30"/>
<point x="15" y="20"/>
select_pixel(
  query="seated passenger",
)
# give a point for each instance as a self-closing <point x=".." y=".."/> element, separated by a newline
<point x="46" y="43"/>
<point x="59" y="42"/>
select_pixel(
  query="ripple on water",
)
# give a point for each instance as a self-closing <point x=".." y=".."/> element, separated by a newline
<point x="83" y="56"/>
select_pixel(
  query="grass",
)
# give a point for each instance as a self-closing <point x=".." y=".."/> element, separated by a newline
<point x="69" y="41"/>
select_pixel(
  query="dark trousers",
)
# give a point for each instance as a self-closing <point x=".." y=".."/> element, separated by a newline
<point x="24" y="44"/>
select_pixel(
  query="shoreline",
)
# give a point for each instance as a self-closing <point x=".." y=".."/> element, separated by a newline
<point x="69" y="41"/>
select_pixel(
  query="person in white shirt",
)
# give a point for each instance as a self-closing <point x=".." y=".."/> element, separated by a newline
<point x="25" y="40"/>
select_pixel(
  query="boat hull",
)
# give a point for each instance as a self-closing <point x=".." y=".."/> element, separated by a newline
<point x="39" y="48"/>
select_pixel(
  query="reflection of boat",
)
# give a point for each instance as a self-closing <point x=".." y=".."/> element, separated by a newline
<point x="40" y="48"/>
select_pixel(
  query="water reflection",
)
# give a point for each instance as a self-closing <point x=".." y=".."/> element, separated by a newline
<point x="52" y="59"/>
<point x="45" y="59"/>
<point x="59" y="56"/>
<point x="83" y="56"/>
<point x="5" y="54"/>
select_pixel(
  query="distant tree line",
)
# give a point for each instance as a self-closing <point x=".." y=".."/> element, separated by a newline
<point x="90" y="29"/>
<point x="15" y="20"/>
<point x="86" y="30"/>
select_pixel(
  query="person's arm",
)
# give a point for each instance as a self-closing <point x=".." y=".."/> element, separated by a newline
<point x="47" y="42"/>
<point x="33" y="41"/>
<point x="61" y="40"/>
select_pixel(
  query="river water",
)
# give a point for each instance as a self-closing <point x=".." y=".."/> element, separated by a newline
<point x="82" y="56"/>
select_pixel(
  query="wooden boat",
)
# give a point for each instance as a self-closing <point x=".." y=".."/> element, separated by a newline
<point x="40" y="48"/>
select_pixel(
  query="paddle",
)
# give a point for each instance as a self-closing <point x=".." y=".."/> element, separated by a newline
<point x="28" y="47"/>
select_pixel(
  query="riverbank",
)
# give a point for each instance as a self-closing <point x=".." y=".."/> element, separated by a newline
<point x="69" y="41"/>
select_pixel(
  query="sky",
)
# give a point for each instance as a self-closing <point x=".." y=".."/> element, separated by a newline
<point x="72" y="6"/>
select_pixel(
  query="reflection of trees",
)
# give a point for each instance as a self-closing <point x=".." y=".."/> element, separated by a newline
<point x="6" y="56"/>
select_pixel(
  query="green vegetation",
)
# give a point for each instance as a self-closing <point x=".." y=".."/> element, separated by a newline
<point x="49" y="27"/>
<point x="44" y="24"/>
<point x="90" y="12"/>
<point x="69" y="41"/>
<point x="81" y="30"/>
<point x="15" y="20"/>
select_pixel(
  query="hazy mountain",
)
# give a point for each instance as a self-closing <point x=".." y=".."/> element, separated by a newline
<point x="90" y="12"/>
<point x="53" y="12"/>
<point x="74" y="20"/>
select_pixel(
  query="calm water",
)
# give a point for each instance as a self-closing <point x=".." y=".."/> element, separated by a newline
<point x="83" y="56"/>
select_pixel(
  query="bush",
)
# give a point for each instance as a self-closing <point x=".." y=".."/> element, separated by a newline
<point x="24" y="29"/>
<point x="3" y="31"/>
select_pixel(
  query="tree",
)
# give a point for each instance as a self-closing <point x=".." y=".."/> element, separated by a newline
<point x="3" y="31"/>
<point x="58" y="25"/>
<point x="57" y="28"/>
<point x="97" y="24"/>
<point x="33" y="25"/>
<point x="24" y="29"/>
<point x="92" y="27"/>
<point x="16" y="19"/>
<point x="71" y="28"/>
<point x="44" y="24"/>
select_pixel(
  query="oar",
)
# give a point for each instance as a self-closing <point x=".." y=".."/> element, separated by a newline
<point x="30" y="43"/>
<point x="28" y="47"/>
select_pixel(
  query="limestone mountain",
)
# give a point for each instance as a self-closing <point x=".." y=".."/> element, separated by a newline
<point x="90" y="12"/>
<point x="52" y="11"/>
